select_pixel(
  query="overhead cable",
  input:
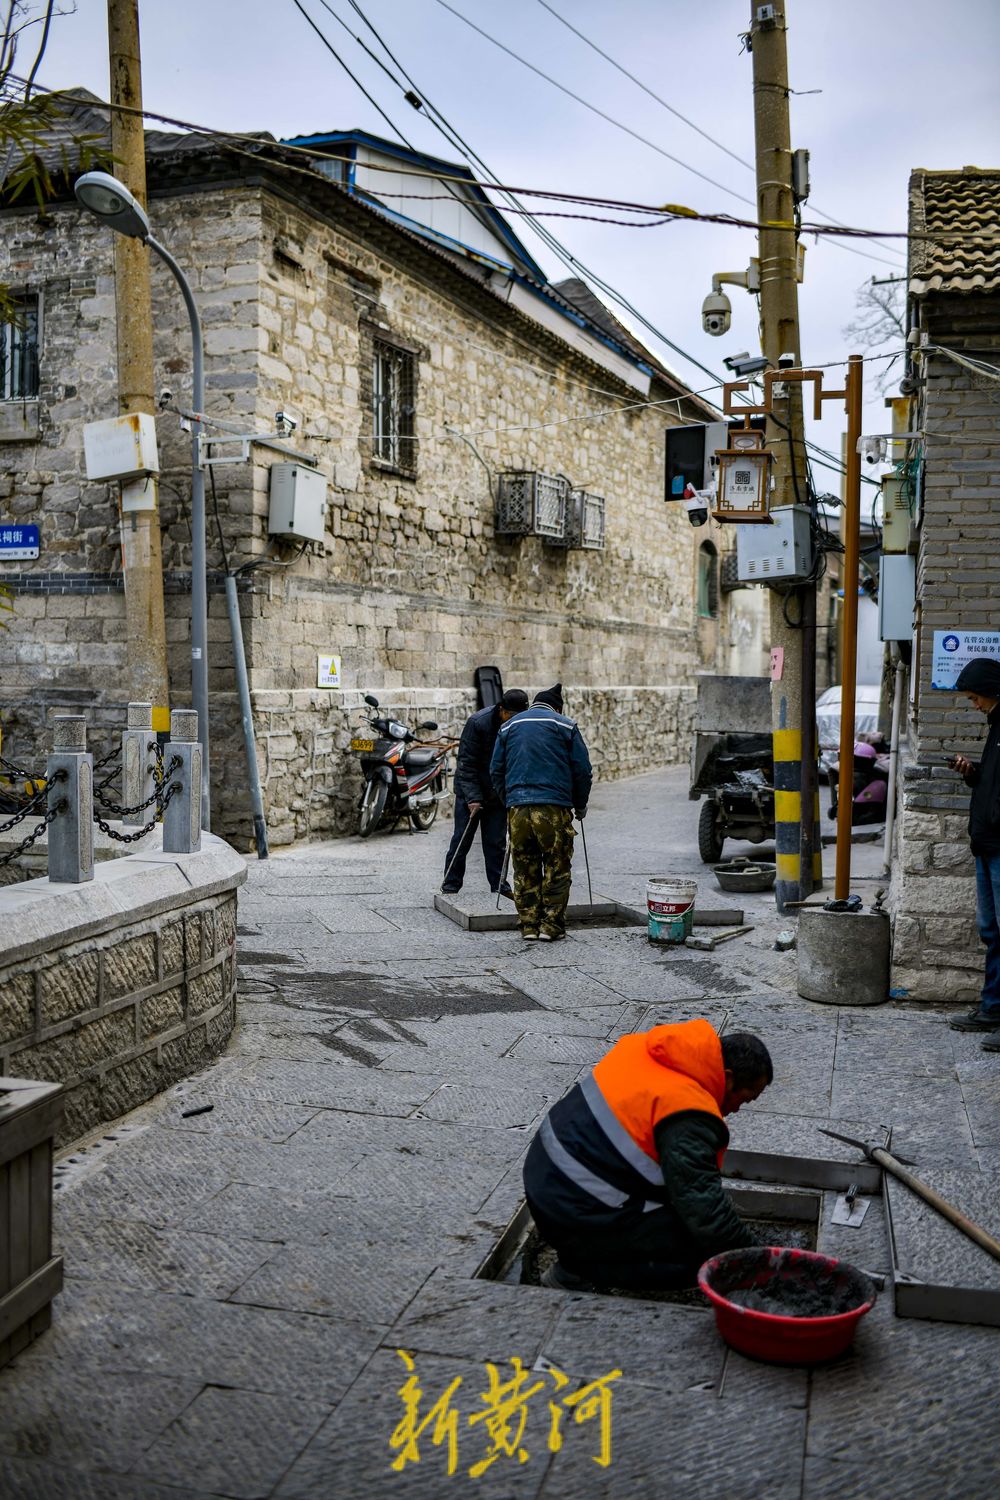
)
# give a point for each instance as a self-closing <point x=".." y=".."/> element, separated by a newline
<point x="594" y="108"/>
<point x="660" y="100"/>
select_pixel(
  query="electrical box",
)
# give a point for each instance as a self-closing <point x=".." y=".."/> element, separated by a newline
<point x="897" y="592"/>
<point x="896" y="519"/>
<point x="781" y="551"/>
<point x="121" y="447"/>
<point x="298" y="503"/>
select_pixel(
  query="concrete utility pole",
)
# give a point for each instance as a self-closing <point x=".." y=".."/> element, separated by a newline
<point x="793" y="615"/>
<point x="142" y="560"/>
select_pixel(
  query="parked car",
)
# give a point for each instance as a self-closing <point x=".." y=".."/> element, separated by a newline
<point x="866" y="701"/>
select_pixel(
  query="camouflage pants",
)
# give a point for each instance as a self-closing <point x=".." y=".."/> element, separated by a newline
<point x="541" y="846"/>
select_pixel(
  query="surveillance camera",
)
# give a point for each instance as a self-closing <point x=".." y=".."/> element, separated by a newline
<point x="285" y="421"/>
<point x="746" y="365"/>
<point x="872" y="449"/>
<point x="697" y="510"/>
<point x="716" y="314"/>
<point x="166" y="398"/>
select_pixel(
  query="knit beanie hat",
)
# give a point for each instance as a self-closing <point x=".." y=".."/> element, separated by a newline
<point x="981" y="675"/>
<point x="554" y="698"/>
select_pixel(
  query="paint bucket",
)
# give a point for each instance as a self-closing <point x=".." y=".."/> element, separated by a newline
<point x="670" y="907"/>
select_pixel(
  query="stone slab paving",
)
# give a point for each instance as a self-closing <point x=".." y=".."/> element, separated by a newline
<point x="240" y="1281"/>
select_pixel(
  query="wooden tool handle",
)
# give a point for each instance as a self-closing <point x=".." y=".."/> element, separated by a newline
<point x="941" y="1205"/>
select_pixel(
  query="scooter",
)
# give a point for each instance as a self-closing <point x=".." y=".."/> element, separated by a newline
<point x="399" y="782"/>
<point x="869" y="788"/>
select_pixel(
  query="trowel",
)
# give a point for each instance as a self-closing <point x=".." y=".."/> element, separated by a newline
<point x="850" y="1209"/>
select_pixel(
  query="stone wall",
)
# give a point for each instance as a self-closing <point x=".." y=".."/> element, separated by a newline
<point x="936" y="952"/>
<point x="119" y="987"/>
<point x="411" y="588"/>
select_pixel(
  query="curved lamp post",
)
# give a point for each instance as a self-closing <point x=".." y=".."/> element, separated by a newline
<point x="111" y="202"/>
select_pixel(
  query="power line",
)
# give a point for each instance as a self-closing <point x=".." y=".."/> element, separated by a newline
<point x="639" y="84"/>
<point x="357" y="83"/>
<point x="594" y="109"/>
<point x="565" y="256"/>
<point x="660" y="100"/>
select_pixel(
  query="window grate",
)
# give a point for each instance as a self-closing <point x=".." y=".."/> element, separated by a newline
<point x="19" y="352"/>
<point x="393" y="406"/>
<point x="585" y="525"/>
<point x="532" y="504"/>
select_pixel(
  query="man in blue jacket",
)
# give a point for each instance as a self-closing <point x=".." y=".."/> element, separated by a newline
<point x="474" y="794"/>
<point x="542" y="774"/>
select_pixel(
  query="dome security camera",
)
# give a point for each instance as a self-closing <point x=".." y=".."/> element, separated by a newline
<point x="716" y="314"/>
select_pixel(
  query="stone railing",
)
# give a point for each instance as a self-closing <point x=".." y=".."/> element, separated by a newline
<point x="119" y="986"/>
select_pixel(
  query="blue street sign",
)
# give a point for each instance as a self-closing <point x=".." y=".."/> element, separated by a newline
<point x="18" y="543"/>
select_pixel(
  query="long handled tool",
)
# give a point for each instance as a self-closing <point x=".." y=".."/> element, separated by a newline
<point x="503" y="872"/>
<point x="941" y="1205"/>
<point x="470" y="830"/>
<point x="586" y="861"/>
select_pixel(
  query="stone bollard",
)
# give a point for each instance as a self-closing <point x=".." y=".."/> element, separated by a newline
<point x="137" y="762"/>
<point x="71" y="832"/>
<point x="182" y="814"/>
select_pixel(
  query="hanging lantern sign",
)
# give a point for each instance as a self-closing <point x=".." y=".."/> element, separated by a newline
<point x="744" y="479"/>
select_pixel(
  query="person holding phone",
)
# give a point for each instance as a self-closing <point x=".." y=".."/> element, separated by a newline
<point x="979" y="680"/>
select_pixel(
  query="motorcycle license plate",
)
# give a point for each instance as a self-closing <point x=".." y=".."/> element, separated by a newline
<point x="363" y="745"/>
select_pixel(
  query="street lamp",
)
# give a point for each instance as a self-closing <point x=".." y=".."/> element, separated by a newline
<point x="110" y="201"/>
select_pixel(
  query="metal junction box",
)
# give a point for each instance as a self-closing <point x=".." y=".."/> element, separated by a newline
<point x="781" y="551"/>
<point x="298" y="503"/>
<point x="121" y="447"/>
<point x="897" y="592"/>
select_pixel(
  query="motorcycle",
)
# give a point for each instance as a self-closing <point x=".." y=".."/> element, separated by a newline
<point x="399" y="782"/>
<point x="870" y="783"/>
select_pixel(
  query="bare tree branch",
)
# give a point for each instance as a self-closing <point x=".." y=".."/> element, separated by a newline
<point x="879" y="322"/>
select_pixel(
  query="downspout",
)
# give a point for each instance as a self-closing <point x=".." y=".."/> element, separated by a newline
<point x="890" y="797"/>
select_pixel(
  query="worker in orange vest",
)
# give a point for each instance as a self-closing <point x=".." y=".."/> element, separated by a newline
<point x="624" y="1177"/>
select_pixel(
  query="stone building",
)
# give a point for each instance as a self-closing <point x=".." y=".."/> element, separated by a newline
<point x="954" y="486"/>
<point x="426" y="356"/>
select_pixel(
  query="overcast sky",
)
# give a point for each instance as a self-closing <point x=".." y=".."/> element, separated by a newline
<point x="883" y="86"/>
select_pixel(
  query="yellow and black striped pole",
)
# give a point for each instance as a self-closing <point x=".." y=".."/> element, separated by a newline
<point x="789" y="884"/>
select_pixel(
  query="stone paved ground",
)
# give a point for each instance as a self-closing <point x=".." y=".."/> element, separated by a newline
<point x="239" y="1281"/>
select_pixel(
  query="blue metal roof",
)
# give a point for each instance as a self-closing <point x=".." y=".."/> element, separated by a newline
<point x="351" y="139"/>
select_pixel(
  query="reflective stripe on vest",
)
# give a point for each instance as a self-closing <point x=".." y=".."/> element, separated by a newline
<point x="617" y="1134"/>
<point x="578" y="1174"/>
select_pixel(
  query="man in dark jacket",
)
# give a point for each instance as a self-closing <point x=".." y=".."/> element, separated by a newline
<point x="624" y="1178"/>
<point x="474" y="794"/>
<point x="979" y="680"/>
<point x="541" y="771"/>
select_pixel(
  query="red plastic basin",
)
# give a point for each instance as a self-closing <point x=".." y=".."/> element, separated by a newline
<point x="781" y="1339"/>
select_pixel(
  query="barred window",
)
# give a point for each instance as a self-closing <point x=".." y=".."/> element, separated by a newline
<point x="19" y="351"/>
<point x="393" y="395"/>
<point x="708" y="581"/>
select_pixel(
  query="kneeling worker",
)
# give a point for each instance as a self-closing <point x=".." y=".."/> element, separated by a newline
<point x="624" y="1177"/>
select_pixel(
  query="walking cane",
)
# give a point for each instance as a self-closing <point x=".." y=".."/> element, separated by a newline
<point x="590" y="889"/>
<point x="503" y="872"/>
<point x="471" y="827"/>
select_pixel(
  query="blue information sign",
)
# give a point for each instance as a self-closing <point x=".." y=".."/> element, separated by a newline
<point x="18" y="543"/>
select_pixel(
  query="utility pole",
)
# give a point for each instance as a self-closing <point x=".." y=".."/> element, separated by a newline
<point x="142" y="560"/>
<point x="793" y="614"/>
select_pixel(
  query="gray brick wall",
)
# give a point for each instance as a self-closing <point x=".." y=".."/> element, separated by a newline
<point x="937" y="955"/>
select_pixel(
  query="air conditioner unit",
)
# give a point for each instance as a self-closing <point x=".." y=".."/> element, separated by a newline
<point x="532" y="504"/>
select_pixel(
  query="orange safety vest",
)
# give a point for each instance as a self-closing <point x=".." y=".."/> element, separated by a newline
<point x="649" y="1075"/>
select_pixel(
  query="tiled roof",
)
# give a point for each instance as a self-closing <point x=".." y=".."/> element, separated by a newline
<point x="955" y="224"/>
